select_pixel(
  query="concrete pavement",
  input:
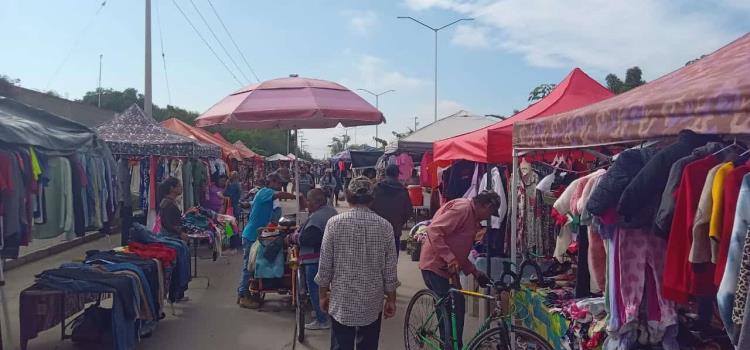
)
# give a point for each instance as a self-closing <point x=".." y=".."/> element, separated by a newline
<point x="211" y="319"/>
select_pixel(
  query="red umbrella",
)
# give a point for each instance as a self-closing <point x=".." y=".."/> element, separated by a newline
<point x="292" y="103"/>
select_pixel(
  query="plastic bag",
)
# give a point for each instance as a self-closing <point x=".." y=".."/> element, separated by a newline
<point x="253" y="255"/>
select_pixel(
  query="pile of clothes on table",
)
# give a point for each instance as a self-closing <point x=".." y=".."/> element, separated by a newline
<point x="137" y="277"/>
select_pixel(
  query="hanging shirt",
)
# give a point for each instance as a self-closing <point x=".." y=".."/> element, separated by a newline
<point x="717" y="211"/>
<point x="700" y="250"/>
<point x="680" y="280"/>
<point x="732" y="184"/>
<point x="405" y="166"/>
<point x="425" y="180"/>
<point x="493" y="182"/>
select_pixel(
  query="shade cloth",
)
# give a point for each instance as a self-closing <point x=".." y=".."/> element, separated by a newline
<point x="711" y="95"/>
<point x="292" y="103"/>
<point x="457" y="123"/>
<point x="228" y="150"/>
<point x="134" y="133"/>
<point x="24" y="125"/>
<point x="493" y="144"/>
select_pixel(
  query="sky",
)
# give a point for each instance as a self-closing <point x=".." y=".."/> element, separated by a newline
<point x="486" y="66"/>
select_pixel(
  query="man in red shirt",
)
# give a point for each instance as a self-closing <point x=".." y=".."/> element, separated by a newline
<point x="445" y="251"/>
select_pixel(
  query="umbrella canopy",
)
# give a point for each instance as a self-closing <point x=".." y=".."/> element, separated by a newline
<point x="292" y="103"/>
<point x="134" y="133"/>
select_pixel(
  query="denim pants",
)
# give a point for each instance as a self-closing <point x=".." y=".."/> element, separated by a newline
<point x="441" y="286"/>
<point x="243" y="289"/>
<point x="312" y="288"/>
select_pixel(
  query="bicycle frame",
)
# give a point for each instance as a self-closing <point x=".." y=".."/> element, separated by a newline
<point x="454" y="339"/>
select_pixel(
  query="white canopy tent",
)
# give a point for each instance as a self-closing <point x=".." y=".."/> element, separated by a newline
<point x="455" y="124"/>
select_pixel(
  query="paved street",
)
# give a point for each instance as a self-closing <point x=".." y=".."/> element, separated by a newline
<point x="211" y="319"/>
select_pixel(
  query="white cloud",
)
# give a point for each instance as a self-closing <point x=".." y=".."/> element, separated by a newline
<point x="374" y="73"/>
<point x="472" y="36"/>
<point x="361" y="22"/>
<point x="595" y="34"/>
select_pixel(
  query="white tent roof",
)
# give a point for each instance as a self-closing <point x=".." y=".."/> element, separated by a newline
<point x="455" y="124"/>
<point x="277" y="157"/>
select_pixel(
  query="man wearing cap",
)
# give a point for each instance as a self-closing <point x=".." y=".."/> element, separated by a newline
<point x="357" y="271"/>
<point x="445" y="251"/>
<point x="260" y="215"/>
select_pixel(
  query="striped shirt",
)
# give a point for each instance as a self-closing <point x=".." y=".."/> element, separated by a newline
<point x="358" y="263"/>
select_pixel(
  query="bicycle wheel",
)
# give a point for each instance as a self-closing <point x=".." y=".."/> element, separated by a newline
<point x="421" y="324"/>
<point x="497" y="339"/>
<point x="301" y="306"/>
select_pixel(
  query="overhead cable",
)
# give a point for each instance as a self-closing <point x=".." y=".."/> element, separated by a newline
<point x="206" y="42"/>
<point x="76" y="41"/>
<point x="233" y="42"/>
<point x="219" y="41"/>
<point x="163" y="56"/>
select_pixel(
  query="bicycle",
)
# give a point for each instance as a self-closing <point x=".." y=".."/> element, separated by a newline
<point x="422" y="323"/>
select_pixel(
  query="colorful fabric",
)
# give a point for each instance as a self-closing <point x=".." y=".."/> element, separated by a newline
<point x="549" y="325"/>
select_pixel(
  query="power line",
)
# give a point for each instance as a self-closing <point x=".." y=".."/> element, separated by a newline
<point x="163" y="56"/>
<point x="206" y="42"/>
<point x="76" y="41"/>
<point x="218" y="40"/>
<point x="233" y="42"/>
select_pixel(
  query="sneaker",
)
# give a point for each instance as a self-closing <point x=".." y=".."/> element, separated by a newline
<point x="316" y="326"/>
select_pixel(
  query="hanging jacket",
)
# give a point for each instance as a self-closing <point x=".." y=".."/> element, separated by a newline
<point x="641" y="198"/>
<point x="663" y="220"/>
<point x="617" y="178"/>
<point x="391" y="202"/>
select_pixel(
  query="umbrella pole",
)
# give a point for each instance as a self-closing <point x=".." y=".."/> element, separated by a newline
<point x="296" y="174"/>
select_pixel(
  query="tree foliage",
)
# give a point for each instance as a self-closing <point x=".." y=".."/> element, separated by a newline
<point x="339" y="143"/>
<point x="633" y="79"/>
<point x="541" y="92"/>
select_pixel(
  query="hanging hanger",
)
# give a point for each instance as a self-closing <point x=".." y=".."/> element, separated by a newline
<point x="734" y="144"/>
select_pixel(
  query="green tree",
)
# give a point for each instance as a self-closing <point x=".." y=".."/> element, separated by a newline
<point x="541" y="92"/>
<point x="633" y="79"/>
<point x="339" y="143"/>
<point x="401" y="135"/>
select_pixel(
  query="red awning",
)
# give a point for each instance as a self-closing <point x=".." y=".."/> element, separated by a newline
<point x="493" y="144"/>
<point x="228" y="150"/>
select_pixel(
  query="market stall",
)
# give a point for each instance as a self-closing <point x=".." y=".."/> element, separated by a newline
<point x="50" y="171"/>
<point x="147" y="153"/>
<point x="645" y="222"/>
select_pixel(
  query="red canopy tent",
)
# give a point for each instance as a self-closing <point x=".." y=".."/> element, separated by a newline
<point x="492" y="144"/>
<point x="228" y="150"/>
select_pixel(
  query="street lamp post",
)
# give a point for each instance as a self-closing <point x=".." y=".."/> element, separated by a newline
<point x="435" y="30"/>
<point x="377" y="104"/>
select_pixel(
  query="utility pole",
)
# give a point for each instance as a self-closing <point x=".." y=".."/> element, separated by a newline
<point x="435" y="30"/>
<point x="415" y="123"/>
<point x="147" y="100"/>
<point x="99" y="86"/>
<point x="377" y="105"/>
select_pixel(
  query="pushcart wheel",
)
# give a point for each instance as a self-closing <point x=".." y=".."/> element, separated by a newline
<point x="300" y="305"/>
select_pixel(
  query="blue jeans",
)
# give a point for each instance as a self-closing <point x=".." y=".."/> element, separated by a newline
<point x="312" y="288"/>
<point x="243" y="289"/>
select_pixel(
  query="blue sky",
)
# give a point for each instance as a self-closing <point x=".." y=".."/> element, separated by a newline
<point x="487" y="66"/>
